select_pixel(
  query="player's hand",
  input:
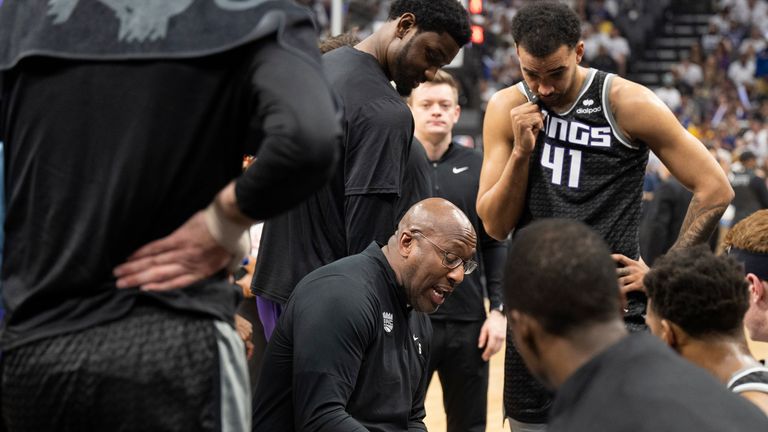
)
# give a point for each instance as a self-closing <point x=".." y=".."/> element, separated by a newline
<point x="245" y="330"/>
<point x="630" y="273"/>
<point x="187" y="255"/>
<point x="492" y="334"/>
<point x="527" y="120"/>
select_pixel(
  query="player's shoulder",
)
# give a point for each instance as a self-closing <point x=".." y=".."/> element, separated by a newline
<point x="507" y="98"/>
<point x="624" y="90"/>
<point x="627" y="98"/>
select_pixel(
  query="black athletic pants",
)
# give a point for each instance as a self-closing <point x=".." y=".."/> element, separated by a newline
<point x="463" y="374"/>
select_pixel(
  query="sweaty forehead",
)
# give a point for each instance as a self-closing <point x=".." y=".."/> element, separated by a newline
<point x="459" y="239"/>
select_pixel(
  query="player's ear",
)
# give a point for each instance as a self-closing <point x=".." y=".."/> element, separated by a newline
<point x="579" y="49"/>
<point x="673" y="335"/>
<point x="405" y="243"/>
<point x="405" y="23"/>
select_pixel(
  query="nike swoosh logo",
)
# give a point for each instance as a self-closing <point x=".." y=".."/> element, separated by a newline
<point x="459" y="170"/>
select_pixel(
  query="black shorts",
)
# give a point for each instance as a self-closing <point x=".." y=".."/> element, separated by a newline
<point x="153" y="370"/>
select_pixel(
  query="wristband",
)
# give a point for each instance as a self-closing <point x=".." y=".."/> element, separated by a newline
<point x="232" y="236"/>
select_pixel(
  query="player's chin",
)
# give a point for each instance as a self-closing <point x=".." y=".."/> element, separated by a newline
<point x="551" y="99"/>
<point x="426" y="305"/>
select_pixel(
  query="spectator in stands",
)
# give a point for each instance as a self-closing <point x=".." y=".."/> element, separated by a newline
<point x="688" y="72"/>
<point x="756" y="41"/>
<point x="742" y="71"/>
<point x="618" y="48"/>
<point x="603" y="60"/>
<point x="756" y="138"/>
<point x="711" y="39"/>
<point x="668" y="93"/>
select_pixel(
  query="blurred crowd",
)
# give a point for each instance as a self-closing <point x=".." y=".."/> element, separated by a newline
<point x="719" y="93"/>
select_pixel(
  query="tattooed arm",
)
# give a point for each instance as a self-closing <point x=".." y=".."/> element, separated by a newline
<point x="699" y="223"/>
<point x="643" y="117"/>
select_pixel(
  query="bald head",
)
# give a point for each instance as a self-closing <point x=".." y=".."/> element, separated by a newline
<point x="432" y="248"/>
<point x="436" y="216"/>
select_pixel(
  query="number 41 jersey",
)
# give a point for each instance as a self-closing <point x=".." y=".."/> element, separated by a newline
<point x="584" y="168"/>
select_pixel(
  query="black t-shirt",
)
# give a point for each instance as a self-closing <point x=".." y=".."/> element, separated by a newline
<point x="347" y="354"/>
<point x="750" y="196"/>
<point x="456" y="177"/>
<point x="639" y="385"/>
<point x="417" y="179"/>
<point x="364" y="200"/>
<point x="666" y="213"/>
<point x="103" y="157"/>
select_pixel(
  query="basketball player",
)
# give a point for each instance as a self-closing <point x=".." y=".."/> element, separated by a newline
<point x="573" y="142"/>
<point x="606" y="379"/>
<point x="747" y="242"/>
<point x="696" y="305"/>
<point x="125" y="201"/>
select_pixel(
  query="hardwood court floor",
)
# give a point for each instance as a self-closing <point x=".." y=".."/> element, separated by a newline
<point x="434" y="404"/>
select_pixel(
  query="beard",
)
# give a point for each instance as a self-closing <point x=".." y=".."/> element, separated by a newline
<point x="404" y="82"/>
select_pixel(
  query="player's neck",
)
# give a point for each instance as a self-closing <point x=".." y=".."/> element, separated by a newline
<point x="434" y="144"/>
<point x="722" y="357"/>
<point x="376" y="45"/>
<point x="581" y="347"/>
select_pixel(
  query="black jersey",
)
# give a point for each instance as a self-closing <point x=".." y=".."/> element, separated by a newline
<point x="750" y="380"/>
<point x="584" y="168"/>
<point x="348" y="354"/>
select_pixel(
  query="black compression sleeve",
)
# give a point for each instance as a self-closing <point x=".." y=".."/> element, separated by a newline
<point x="299" y="125"/>
<point x="494" y="257"/>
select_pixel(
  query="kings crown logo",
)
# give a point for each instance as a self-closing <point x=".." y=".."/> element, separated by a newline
<point x="389" y="322"/>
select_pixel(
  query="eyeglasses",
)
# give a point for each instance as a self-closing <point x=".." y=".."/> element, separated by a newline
<point x="450" y="259"/>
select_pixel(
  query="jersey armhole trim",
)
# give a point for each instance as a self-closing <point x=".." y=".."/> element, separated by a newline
<point x="608" y="112"/>
<point x="523" y="89"/>
<point x="751" y="387"/>
<point x="745" y="372"/>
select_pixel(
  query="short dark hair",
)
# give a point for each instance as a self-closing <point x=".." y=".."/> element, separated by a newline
<point x="747" y="156"/>
<point x="439" y="16"/>
<point x="560" y="272"/>
<point x="542" y="27"/>
<point x="704" y="294"/>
